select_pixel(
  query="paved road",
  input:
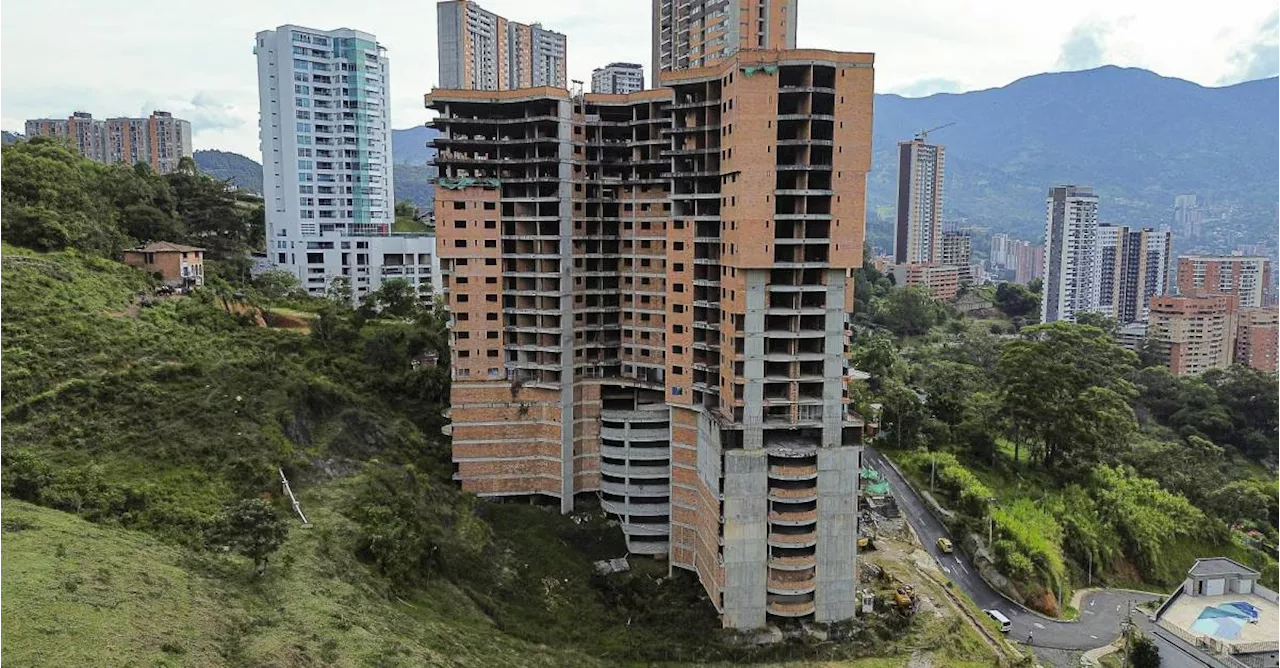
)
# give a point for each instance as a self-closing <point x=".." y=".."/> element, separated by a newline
<point x="1100" y="615"/>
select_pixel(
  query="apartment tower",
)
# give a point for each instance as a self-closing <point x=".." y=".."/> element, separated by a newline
<point x="1194" y="334"/>
<point x="1257" y="330"/>
<point x="1071" y="270"/>
<point x="325" y="130"/>
<point x="689" y="34"/>
<point x="618" y="78"/>
<point x="1133" y="266"/>
<point x="479" y="50"/>
<point x="649" y="298"/>
<point x="918" y="233"/>
<point x="1248" y="279"/>
<point x="159" y="140"/>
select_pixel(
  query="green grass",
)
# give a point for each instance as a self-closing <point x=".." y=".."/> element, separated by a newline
<point x="409" y="226"/>
<point x="83" y="594"/>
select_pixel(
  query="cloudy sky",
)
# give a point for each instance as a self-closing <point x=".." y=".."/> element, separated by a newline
<point x="195" y="58"/>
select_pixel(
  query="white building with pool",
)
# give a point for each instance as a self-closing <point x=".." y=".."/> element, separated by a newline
<point x="1222" y="617"/>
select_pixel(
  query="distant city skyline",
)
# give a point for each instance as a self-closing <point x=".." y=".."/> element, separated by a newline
<point x="929" y="47"/>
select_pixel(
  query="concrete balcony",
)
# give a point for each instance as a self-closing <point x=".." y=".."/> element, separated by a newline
<point x="796" y="518"/>
<point x="623" y="509"/>
<point x="646" y="529"/>
<point x="633" y="435"/>
<point x="643" y="415"/>
<point x="788" y="609"/>
<point x="794" y="472"/>
<point x="634" y="489"/>
<point x="793" y="495"/>
<point x="632" y="454"/>
<point x="800" y="563"/>
<point x="808" y="539"/>
<point x="623" y="470"/>
<point x="803" y="584"/>
<point x="650" y="547"/>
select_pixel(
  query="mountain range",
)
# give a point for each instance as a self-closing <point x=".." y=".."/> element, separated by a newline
<point x="1138" y="138"/>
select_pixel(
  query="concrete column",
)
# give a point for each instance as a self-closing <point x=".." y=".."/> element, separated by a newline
<point x="746" y="533"/>
<point x="753" y="355"/>
<point x="837" y="550"/>
<point x="566" y="305"/>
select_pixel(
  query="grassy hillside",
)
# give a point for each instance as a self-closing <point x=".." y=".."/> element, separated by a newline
<point x="166" y="410"/>
<point x="83" y="594"/>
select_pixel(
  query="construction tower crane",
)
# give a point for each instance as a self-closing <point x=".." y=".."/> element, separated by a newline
<point x="923" y="135"/>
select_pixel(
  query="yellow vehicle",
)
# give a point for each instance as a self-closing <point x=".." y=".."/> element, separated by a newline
<point x="944" y="544"/>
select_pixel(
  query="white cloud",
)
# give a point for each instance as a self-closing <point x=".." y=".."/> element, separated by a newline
<point x="1259" y="57"/>
<point x="196" y="60"/>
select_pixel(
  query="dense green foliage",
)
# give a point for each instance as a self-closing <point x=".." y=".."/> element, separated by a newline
<point x="52" y="199"/>
<point x="1088" y="466"/>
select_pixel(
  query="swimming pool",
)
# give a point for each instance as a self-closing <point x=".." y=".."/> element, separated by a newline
<point x="1225" y="621"/>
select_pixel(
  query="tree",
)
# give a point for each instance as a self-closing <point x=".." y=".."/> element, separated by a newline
<point x="902" y="409"/>
<point x="878" y="357"/>
<point x="1015" y="300"/>
<point x="948" y="387"/>
<point x="251" y="527"/>
<point x="1099" y="320"/>
<point x="277" y="284"/>
<point x="908" y="311"/>
<point x="339" y="291"/>
<point x="1144" y="653"/>
<point x="395" y="297"/>
<point x="1066" y="385"/>
<point x="1244" y="500"/>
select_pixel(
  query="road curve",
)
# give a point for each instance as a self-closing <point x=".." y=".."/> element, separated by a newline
<point x="1101" y="612"/>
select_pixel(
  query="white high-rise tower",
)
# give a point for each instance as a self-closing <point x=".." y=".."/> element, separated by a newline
<point x="325" y="131"/>
<point x="1071" y="268"/>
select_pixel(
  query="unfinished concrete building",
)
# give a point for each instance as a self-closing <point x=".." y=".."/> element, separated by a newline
<point x="650" y="296"/>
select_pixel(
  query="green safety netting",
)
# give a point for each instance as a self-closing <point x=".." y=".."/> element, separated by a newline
<point x="767" y="69"/>
<point x="878" y="489"/>
<point x="465" y="181"/>
<point x="869" y="473"/>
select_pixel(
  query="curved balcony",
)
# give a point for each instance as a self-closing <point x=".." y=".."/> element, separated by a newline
<point x="798" y="563"/>
<point x="634" y="453"/>
<point x="793" y="539"/>
<point x="804" y="495"/>
<point x="634" y="489"/>
<point x="791" y="583"/>
<point x="635" y="416"/>
<point x="648" y="546"/>
<point x="790" y="609"/>
<point x="793" y="518"/>
<point x="646" y="529"/>
<point x="794" y="471"/>
<point x="616" y="434"/>
<point x="622" y="508"/>
<point x="623" y="470"/>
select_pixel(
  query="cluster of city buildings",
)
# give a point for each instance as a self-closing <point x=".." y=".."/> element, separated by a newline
<point x="1015" y="260"/>
<point x="159" y="140"/>
<point x="1223" y="310"/>
<point x="649" y="294"/>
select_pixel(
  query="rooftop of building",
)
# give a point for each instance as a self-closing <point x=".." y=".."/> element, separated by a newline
<point x="165" y="247"/>
<point x="1219" y="566"/>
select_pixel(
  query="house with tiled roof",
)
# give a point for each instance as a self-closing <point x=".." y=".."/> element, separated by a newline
<point x="179" y="266"/>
